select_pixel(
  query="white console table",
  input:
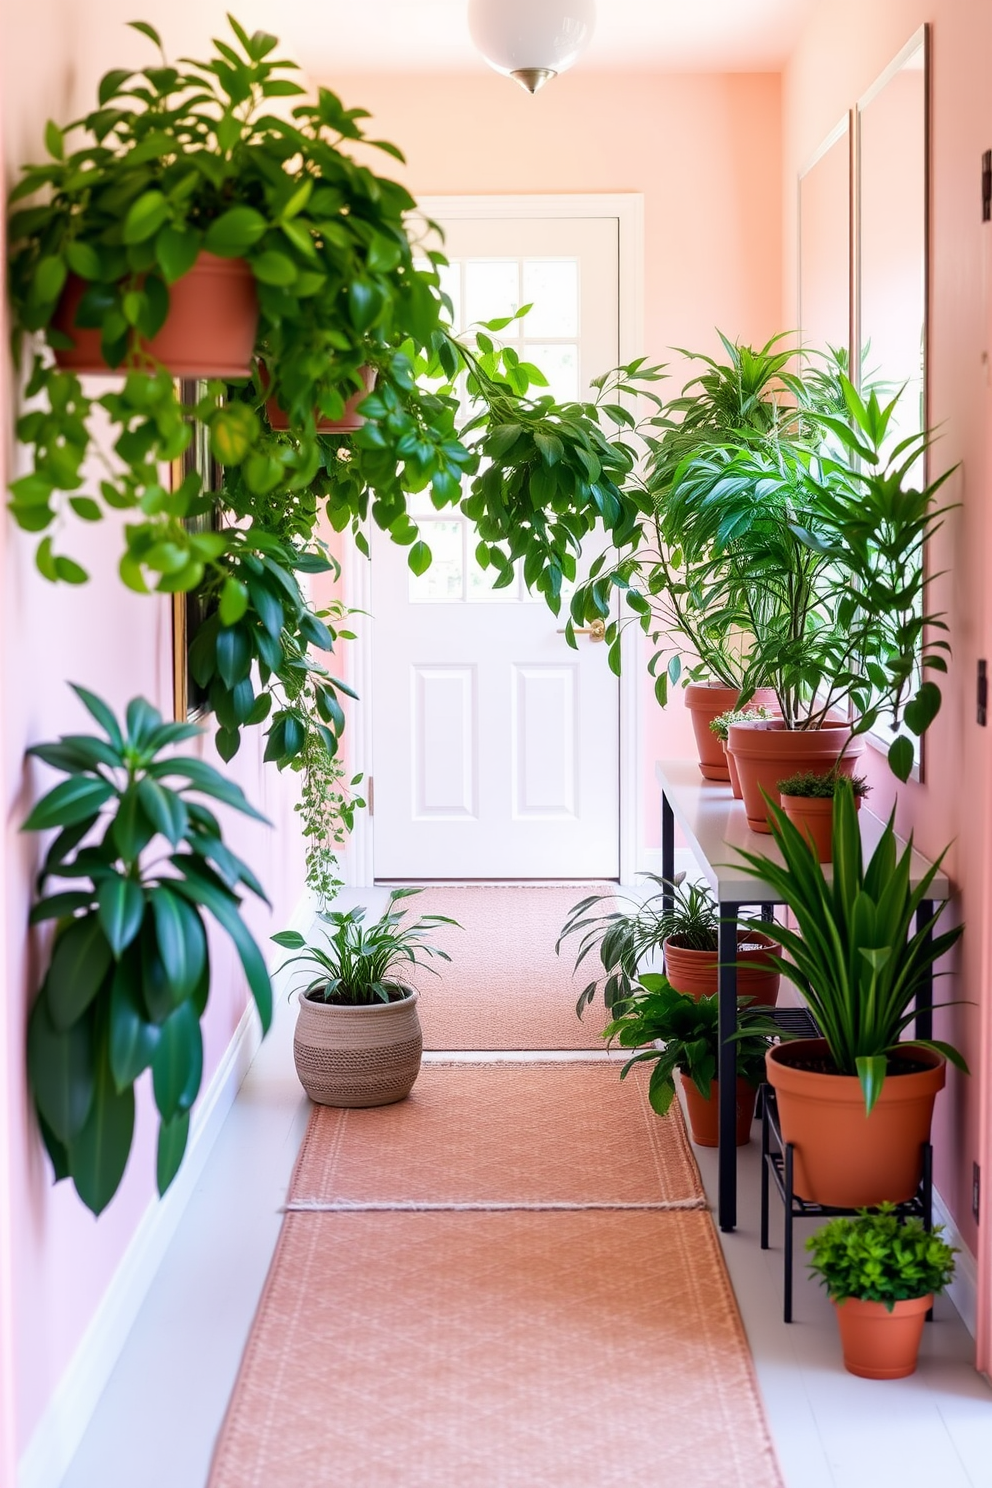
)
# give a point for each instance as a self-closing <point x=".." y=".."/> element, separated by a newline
<point x="713" y="823"/>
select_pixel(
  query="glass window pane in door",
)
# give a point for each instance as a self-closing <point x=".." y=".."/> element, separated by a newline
<point x="492" y="288"/>
<point x="551" y="286"/>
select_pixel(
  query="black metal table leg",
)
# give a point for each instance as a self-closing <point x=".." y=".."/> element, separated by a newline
<point x="667" y="851"/>
<point x="727" y="1068"/>
<point x="767" y="913"/>
<point x="787" y="1242"/>
<point x="764" y="1174"/>
<point x="924" y="998"/>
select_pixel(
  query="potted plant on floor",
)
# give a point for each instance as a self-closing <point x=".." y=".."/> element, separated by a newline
<point x="881" y="1275"/>
<point x="655" y="1013"/>
<point x="145" y="867"/>
<point x="857" y="1103"/>
<point x="680" y="921"/>
<point x="808" y="801"/>
<point x="358" y="1040"/>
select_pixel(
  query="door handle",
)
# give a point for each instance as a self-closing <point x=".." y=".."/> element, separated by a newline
<point x="595" y="630"/>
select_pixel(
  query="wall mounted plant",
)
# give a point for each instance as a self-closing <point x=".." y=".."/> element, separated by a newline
<point x="143" y="866"/>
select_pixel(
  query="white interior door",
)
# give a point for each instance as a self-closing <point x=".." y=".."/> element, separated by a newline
<point x="495" y="746"/>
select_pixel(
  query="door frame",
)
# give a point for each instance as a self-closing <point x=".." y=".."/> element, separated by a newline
<point x="627" y="209"/>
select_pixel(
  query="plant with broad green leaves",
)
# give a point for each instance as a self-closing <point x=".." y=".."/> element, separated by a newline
<point x="857" y="954"/>
<point x="128" y="976"/>
<point x="689" y="1029"/>
<point x="876" y="1257"/>
<point x="358" y="964"/>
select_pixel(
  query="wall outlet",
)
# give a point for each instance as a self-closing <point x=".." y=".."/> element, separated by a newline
<point x="976" y="1190"/>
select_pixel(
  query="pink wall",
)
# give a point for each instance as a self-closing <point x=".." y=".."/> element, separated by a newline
<point x="120" y="645"/>
<point x="703" y="150"/>
<point x="844" y="48"/>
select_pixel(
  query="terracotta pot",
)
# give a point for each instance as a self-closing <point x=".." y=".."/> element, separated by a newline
<point x="766" y="752"/>
<point x="209" y="331"/>
<point x="706" y="701"/>
<point x="814" y="817"/>
<point x="358" y="1056"/>
<point x="844" y="1157"/>
<point x="349" y="421"/>
<point x="696" y="973"/>
<point x="732" y="771"/>
<point x="704" y="1115"/>
<point x="877" y="1343"/>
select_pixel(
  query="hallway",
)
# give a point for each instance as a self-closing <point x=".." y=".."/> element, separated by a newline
<point x="179" y="1366"/>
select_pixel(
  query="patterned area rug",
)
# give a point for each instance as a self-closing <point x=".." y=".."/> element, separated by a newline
<point x="505" y="988"/>
<point x="498" y="1136"/>
<point x="510" y="1350"/>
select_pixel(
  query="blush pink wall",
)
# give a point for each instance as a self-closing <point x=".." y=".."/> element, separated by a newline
<point x="61" y="1259"/>
<point x="846" y="45"/>
<point x="703" y="150"/>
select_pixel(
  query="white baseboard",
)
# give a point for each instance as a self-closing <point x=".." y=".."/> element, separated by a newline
<point x="963" y="1290"/>
<point x="47" y="1457"/>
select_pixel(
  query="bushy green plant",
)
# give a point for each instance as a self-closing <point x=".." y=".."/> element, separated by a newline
<point x="689" y="1029"/>
<point x="877" y="1257"/>
<point x="822" y="787"/>
<point x="857" y="953"/>
<point x="361" y="964"/>
<point x="128" y="976"/>
<point x="625" y="937"/>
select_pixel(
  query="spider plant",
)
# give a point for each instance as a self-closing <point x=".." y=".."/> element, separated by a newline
<point x="361" y="964"/>
<point x="857" y="953"/>
<point x="626" y="937"/>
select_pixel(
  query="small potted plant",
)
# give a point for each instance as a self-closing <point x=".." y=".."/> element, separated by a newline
<point x="686" y="931"/>
<point x="358" y="1040"/>
<point x="857" y="1103"/>
<point x="144" y="867"/>
<point x="881" y="1275"/>
<point x="808" y="802"/>
<point x="688" y="1029"/>
<point x="720" y="726"/>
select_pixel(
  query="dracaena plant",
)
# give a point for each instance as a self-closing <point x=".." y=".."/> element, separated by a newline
<point x="137" y="869"/>
<point x="857" y="953"/>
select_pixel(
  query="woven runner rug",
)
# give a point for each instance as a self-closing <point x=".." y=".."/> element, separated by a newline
<point x="488" y="1136"/>
<point x="504" y="987"/>
<point x="502" y="1350"/>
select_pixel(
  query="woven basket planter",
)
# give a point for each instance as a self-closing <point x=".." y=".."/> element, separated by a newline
<point x="358" y="1056"/>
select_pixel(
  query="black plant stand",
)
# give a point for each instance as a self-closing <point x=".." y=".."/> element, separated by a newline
<point x="776" y="1167"/>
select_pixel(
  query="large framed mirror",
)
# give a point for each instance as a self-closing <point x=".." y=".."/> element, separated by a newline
<point x="824" y="279"/>
<point x="892" y="240"/>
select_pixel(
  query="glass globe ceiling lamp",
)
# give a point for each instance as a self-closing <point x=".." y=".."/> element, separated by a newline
<point x="531" y="40"/>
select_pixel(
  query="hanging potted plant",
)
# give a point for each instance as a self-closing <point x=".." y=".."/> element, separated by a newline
<point x="358" y="1040"/>
<point x="655" y="1014"/>
<point x="144" y="867"/>
<point x="808" y="802"/>
<point x="685" y="931"/>
<point x="881" y="1275"/>
<point x="857" y="1103"/>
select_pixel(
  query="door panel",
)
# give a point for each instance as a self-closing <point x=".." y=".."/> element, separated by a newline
<point x="495" y="746"/>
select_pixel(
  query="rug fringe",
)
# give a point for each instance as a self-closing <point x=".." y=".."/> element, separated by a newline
<point x="480" y="1206"/>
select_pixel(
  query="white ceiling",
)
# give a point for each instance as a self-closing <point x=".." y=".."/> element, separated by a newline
<point x="340" y="36"/>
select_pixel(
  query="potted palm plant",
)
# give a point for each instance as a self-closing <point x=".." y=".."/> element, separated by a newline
<point x="881" y="1275"/>
<point x="807" y="800"/>
<point x="679" y="920"/>
<point x="358" y="1040"/>
<point x="656" y="1014"/>
<point x="857" y="1103"/>
<point x="144" y="867"/>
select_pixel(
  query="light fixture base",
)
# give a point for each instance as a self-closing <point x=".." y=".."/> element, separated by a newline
<point x="532" y="78"/>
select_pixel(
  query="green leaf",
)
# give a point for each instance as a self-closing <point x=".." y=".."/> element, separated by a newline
<point x="69" y="571"/>
<point x="234" y="655"/>
<point x="145" y="217"/>
<point x="208" y="781"/>
<point x="81" y="959"/>
<point x="83" y="259"/>
<point x="133" y="1040"/>
<point x="176" y="251"/>
<point x="60" y="1068"/>
<point x="364" y="303"/>
<point x="54" y="140"/>
<point x="69" y="802"/>
<point x="225" y="911"/>
<point x="172" y="1138"/>
<point x="275" y="268"/>
<point x="233" y="430"/>
<point x="147" y="30"/>
<point x="871" y="1073"/>
<point x="99" y="1154"/>
<point x="181" y="942"/>
<point x="121" y="911"/>
<point x="99" y="710"/>
<point x="233" y="601"/>
<point x="901" y="756"/>
<point x="235" y="231"/>
<point x="419" y="558"/>
<point x="290" y="940"/>
<point x="132" y="831"/>
<point x="163" y="809"/>
<point x="177" y="1065"/>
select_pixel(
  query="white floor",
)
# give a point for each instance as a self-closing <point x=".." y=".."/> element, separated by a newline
<point x="157" y="1420"/>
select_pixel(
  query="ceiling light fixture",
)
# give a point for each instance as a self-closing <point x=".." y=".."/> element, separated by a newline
<point x="531" y="40"/>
